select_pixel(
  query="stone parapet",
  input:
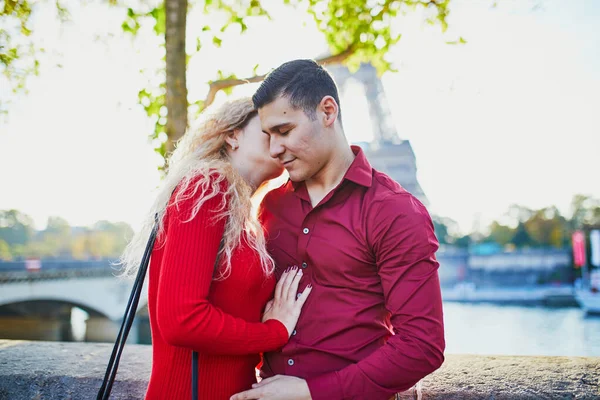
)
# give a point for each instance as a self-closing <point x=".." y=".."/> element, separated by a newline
<point x="60" y="370"/>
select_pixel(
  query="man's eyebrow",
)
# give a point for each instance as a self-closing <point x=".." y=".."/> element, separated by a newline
<point x="277" y="128"/>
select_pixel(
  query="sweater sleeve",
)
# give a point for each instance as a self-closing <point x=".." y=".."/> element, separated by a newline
<point x="185" y="316"/>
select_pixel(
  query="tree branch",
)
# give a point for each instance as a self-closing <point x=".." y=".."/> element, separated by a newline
<point x="216" y="86"/>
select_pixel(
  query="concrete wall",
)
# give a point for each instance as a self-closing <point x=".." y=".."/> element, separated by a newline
<point x="55" y="370"/>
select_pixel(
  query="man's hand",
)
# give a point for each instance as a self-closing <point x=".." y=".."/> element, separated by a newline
<point x="278" y="387"/>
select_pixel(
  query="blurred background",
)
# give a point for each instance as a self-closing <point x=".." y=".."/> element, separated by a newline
<point x="487" y="111"/>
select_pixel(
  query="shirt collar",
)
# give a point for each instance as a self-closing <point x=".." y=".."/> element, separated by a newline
<point x="360" y="171"/>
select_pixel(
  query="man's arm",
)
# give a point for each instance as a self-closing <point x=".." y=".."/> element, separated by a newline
<point x="404" y="243"/>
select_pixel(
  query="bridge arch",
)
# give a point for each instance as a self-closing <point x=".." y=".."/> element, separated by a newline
<point x="104" y="296"/>
<point x="45" y="307"/>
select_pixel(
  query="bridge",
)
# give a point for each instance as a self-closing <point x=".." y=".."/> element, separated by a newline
<point x="44" y="300"/>
<point x="85" y="300"/>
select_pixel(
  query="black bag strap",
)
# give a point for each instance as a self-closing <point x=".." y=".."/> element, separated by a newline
<point x="195" y="375"/>
<point x="130" y="310"/>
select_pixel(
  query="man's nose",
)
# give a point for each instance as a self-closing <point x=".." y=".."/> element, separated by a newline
<point x="276" y="148"/>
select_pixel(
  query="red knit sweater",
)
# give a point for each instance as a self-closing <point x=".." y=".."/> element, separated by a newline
<point x="221" y="323"/>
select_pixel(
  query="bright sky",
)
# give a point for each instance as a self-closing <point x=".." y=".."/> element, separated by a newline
<point x="511" y="117"/>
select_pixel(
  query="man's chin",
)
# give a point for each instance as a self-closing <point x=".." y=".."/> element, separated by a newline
<point x="295" y="176"/>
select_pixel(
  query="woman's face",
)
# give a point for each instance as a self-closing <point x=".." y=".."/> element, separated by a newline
<point x="254" y="152"/>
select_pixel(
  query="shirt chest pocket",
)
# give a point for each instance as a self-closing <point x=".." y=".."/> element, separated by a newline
<point x="340" y="259"/>
<point x="282" y="248"/>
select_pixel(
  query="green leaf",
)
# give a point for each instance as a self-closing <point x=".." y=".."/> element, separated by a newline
<point x="160" y="20"/>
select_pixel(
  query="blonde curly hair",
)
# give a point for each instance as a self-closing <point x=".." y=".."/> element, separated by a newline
<point x="199" y="154"/>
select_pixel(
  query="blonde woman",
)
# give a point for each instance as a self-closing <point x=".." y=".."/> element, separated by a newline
<point x="210" y="275"/>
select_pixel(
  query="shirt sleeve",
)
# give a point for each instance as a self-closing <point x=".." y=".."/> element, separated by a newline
<point x="185" y="316"/>
<point x="403" y="239"/>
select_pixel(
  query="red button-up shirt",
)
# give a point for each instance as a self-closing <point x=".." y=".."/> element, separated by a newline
<point x="373" y="324"/>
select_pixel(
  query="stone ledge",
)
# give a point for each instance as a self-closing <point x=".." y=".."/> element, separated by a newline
<point x="56" y="370"/>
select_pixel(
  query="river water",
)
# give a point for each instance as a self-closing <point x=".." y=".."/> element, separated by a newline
<point x="502" y="330"/>
<point x="517" y="330"/>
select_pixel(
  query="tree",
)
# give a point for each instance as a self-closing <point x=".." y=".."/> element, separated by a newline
<point x="120" y="232"/>
<point x="16" y="228"/>
<point x="57" y="237"/>
<point x="500" y="234"/>
<point x="463" y="241"/>
<point x="585" y="210"/>
<point x="521" y="238"/>
<point x="19" y="55"/>
<point x="58" y="226"/>
<point x="519" y="213"/>
<point x="5" y="253"/>
<point x="445" y="229"/>
<point x="547" y="227"/>
<point x="356" y="31"/>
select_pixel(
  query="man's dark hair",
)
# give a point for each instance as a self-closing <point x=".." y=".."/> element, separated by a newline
<point x="303" y="82"/>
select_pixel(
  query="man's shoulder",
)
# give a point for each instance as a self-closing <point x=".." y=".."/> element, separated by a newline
<point x="384" y="187"/>
<point x="387" y="193"/>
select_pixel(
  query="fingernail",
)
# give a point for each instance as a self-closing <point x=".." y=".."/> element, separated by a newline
<point x="299" y="272"/>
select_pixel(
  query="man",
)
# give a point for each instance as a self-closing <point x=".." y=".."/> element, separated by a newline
<point x="373" y="325"/>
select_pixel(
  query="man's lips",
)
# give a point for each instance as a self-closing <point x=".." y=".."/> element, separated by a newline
<point x="288" y="162"/>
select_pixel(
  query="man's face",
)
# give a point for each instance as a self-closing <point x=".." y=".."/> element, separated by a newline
<point x="295" y="139"/>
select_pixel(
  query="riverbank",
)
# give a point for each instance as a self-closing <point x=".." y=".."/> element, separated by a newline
<point x="549" y="295"/>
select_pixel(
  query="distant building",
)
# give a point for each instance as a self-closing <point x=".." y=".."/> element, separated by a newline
<point x="504" y="269"/>
<point x="387" y="152"/>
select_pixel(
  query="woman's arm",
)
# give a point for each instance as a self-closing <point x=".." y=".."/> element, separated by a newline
<point x="185" y="316"/>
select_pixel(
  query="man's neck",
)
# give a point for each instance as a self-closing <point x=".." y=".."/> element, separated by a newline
<point x="330" y="176"/>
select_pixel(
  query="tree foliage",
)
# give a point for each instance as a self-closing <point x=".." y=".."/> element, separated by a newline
<point x="19" y="54"/>
<point x="545" y="227"/>
<point x="16" y="228"/>
<point x="355" y="30"/>
<point x="18" y="238"/>
<point x="445" y="229"/>
<point x="585" y="210"/>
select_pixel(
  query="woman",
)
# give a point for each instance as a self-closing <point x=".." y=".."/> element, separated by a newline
<point x="210" y="274"/>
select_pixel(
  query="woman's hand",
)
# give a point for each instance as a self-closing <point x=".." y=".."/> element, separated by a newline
<point x="285" y="306"/>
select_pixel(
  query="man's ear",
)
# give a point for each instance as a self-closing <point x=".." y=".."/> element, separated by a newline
<point x="330" y="109"/>
<point x="232" y="139"/>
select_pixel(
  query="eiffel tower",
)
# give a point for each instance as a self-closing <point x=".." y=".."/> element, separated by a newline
<point x="387" y="152"/>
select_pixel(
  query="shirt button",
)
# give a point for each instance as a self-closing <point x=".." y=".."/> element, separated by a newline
<point x="290" y="362"/>
<point x="294" y="333"/>
<point x="304" y="265"/>
<point x="305" y="231"/>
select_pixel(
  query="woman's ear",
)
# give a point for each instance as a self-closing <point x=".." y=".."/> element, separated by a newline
<point x="232" y="139"/>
